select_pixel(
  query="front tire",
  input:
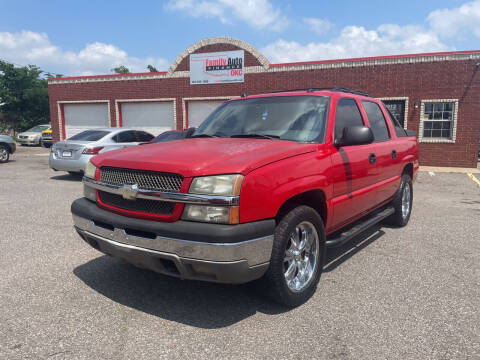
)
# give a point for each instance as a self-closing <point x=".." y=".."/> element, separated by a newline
<point x="4" y="154"/>
<point x="298" y="255"/>
<point x="402" y="203"/>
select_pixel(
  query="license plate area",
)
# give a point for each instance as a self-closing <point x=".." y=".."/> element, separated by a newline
<point x="66" y="154"/>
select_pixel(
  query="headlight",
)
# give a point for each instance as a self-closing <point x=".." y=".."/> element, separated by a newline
<point x="222" y="185"/>
<point x="217" y="185"/>
<point x="213" y="214"/>
<point x="90" y="170"/>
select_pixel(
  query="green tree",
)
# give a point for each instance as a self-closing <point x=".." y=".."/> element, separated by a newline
<point x="152" y="68"/>
<point x="120" y="70"/>
<point x="23" y="96"/>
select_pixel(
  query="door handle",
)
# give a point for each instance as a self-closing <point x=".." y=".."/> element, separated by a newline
<point x="372" y="158"/>
<point x="394" y="154"/>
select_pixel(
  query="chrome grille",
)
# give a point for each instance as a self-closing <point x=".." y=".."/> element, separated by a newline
<point x="151" y="180"/>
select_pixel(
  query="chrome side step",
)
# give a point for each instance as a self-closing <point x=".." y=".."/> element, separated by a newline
<point x="358" y="228"/>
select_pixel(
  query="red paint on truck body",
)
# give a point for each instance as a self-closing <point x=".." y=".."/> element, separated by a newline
<point x="278" y="170"/>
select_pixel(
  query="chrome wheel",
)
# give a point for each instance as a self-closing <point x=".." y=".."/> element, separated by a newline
<point x="406" y="200"/>
<point x="3" y="154"/>
<point x="301" y="256"/>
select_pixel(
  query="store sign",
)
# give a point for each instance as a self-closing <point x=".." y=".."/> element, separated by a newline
<point x="216" y="68"/>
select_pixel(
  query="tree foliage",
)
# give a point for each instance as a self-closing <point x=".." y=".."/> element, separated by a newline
<point x="121" y="70"/>
<point x="152" y="68"/>
<point x="23" y="97"/>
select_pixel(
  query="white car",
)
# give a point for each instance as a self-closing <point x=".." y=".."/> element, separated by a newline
<point x="32" y="136"/>
<point x="74" y="153"/>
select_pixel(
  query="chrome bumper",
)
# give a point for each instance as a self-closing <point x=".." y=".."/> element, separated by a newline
<point x="218" y="262"/>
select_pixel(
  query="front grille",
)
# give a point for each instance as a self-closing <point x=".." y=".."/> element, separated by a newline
<point x="151" y="180"/>
<point x="45" y="135"/>
<point x="142" y="205"/>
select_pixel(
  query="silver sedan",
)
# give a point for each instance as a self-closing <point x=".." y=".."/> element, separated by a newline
<point x="73" y="154"/>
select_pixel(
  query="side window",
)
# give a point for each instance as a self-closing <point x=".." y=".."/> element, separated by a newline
<point x="347" y="115"/>
<point x="399" y="130"/>
<point x="126" y="137"/>
<point x="142" y="136"/>
<point x="377" y="121"/>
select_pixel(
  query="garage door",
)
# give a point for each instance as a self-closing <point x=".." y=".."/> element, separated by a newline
<point x="199" y="111"/>
<point x="154" y="117"/>
<point x="80" y="117"/>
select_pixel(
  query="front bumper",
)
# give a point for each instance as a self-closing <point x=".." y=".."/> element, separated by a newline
<point x="211" y="252"/>
<point x="28" y="141"/>
<point x="13" y="147"/>
<point x="65" y="164"/>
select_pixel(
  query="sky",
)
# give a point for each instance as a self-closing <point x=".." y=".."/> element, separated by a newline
<point x="92" y="37"/>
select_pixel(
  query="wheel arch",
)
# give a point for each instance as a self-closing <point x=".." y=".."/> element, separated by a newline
<point x="314" y="198"/>
<point x="6" y="145"/>
<point x="408" y="169"/>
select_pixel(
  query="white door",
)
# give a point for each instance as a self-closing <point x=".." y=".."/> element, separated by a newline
<point x="153" y="117"/>
<point x="80" y="117"/>
<point x="199" y="111"/>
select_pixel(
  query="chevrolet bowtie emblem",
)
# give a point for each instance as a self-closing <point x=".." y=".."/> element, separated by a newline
<point x="129" y="192"/>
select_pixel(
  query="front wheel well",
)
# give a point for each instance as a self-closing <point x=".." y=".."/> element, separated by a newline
<point x="313" y="198"/>
<point x="6" y="145"/>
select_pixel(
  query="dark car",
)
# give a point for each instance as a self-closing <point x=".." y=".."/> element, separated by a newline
<point x="7" y="147"/>
<point x="169" y="136"/>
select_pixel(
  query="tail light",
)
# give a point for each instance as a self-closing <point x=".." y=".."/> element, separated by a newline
<point x="92" y="151"/>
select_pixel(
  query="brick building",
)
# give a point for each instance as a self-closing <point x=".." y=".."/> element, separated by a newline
<point x="436" y="94"/>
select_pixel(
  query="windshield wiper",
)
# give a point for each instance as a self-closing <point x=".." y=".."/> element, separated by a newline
<point x="258" y="136"/>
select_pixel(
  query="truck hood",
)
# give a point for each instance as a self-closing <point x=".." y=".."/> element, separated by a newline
<point x="204" y="156"/>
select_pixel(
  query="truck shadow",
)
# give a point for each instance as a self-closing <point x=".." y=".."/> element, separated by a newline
<point x="336" y="256"/>
<point x="194" y="303"/>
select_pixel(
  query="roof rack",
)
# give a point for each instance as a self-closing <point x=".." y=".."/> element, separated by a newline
<point x="336" y="89"/>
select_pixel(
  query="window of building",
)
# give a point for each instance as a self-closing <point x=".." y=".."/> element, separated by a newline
<point x="347" y="115"/>
<point x="438" y="120"/>
<point x="377" y="121"/>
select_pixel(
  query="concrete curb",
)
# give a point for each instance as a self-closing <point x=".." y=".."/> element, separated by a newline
<point x="450" y="170"/>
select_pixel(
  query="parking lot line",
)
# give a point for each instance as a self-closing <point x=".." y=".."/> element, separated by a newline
<point x="471" y="176"/>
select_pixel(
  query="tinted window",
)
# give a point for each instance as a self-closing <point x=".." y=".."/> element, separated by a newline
<point x="347" y="115"/>
<point x="377" y="121"/>
<point x="399" y="130"/>
<point x="168" y="136"/>
<point x="142" y="136"/>
<point x="297" y="118"/>
<point x="126" y="137"/>
<point x="90" y="135"/>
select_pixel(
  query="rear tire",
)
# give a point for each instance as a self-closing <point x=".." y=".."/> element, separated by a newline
<point x="402" y="203"/>
<point x="298" y="255"/>
<point x="4" y="154"/>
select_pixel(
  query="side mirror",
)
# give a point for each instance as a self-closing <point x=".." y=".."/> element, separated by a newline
<point x="190" y="132"/>
<point x="355" y="135"/>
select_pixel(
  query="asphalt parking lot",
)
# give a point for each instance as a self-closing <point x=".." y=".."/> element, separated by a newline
<point x="411" y="293"/>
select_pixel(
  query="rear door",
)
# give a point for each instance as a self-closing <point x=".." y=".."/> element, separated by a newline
<point x="387" y="152"/>
<point x="353" y="173"/>
<point x="123" y="139"/>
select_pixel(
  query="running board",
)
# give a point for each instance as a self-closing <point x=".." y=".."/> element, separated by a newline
<point x="359" y="228"/>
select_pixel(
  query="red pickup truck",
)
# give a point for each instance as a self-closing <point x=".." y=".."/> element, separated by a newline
<point x="257" y="192"/>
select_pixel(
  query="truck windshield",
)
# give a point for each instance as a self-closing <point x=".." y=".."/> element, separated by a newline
<point x="296" y="118"/>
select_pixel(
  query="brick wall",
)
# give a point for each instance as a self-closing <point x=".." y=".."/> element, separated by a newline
<point x="454" y="79"/>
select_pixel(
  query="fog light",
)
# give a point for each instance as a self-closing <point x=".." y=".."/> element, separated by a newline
<point x="90" y="193"/>
<point x="214" y="214"/>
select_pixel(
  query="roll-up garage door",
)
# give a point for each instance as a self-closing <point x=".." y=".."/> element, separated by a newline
<point x="199" y="111"/>
<point x="154" y="117"/>
<point x="80" y="117"/>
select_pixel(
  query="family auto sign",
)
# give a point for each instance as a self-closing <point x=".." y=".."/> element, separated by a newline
<point x="217" y="68"/>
